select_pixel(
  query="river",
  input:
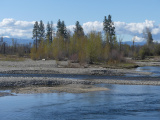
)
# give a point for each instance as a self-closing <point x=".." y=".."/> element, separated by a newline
<point x="154" y="69"/>
<point x="130" y="102"/>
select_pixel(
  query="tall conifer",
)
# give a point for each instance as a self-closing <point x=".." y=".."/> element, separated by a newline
<point x="61" y="29"/>
<point x="78" y="29"/>
<point x="49" y="34"/>
<point x="36" y="34"/>
<point x="41" y="31"/>
<point x="109" y="29"/>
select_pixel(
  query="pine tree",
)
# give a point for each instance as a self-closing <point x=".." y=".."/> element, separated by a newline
<point x="41" y="31"/>
<point x="109" y="29"/>
<point x="47" y="30"/>
<point x="36" y="34"/>
<point x="108" y="26"/>
<point x="148" y="36"/>
<point x="50" y="31"/>
<point x="59" y="27"/>
<point x="150" y="39"/>
<point x="78" y="29"/>
<point x="62" y="30"/>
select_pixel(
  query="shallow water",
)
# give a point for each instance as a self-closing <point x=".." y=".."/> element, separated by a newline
<point x="153" y="69"/>
<point x="128" y="102"/>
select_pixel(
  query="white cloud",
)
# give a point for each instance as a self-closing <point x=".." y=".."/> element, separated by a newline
<point x="24" y="24"/>
<point x="92" y="26"/>
<point x="134" y="28"/>
<point x="71" y="28"/>
<point x="13" y="28"/>
<point x="6" y="37"/>
<point x="138" y="39"/>
<point x="155" y="31"/>
<point x="7" y="22"/>
<point x="23" y="29"/>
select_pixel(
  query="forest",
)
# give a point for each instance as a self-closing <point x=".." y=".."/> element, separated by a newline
<point x="61" y="44"/>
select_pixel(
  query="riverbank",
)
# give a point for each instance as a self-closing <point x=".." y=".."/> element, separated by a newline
<point x="31" y="85"/>
<point x="61" y="67"/>
<point x="5" y="94"/>
<point x="13" y="82"/>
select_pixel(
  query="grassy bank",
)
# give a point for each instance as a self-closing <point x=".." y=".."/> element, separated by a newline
<point x="11" y="58"/>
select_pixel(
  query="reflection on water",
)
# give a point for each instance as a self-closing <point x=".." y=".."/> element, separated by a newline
<point x="153" y="69"/>
<point x="120" y="102"/>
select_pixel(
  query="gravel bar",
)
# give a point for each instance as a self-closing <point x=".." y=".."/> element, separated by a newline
<point x="52" y="67"/>
<point x="45" y="81"/>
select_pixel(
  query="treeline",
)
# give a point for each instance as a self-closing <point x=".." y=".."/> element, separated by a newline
<point x="14" y="49"/>
<point x="151" y="48"/>
<point x="61" y="44"/>
<point x="77" y="47"/>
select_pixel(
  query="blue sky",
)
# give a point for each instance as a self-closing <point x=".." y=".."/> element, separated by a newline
<point x="127" y="11"/>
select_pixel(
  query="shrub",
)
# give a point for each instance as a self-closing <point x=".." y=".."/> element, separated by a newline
<point x="74" y="58"/>
<point x="144" y="51"/>
<point x="115" y="57"/>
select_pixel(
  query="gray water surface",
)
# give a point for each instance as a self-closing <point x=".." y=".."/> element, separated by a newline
<point x="121" y="102"/>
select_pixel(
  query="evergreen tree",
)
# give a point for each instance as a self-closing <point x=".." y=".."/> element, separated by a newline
<point x="36" y="34"/>
<point x="41" y="31"/>
<point x="58" y="26"/>
<point x="47" y="30"/>
<point x="108" y="26"/>
<point x="52" y="31"/>
<point x="64" y="30"/>
<point x="78" y="29"/>
<point x="109" y="29"/>
<point x="61" y="29"/>
<point x="49" y="34"/>
<point x="150" y="39"/>
<point x="148" y="36"/>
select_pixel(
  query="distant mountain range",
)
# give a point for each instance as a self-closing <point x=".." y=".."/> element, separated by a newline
<point x="27" y="41"/>
<point x="135" y="43"/>
<point x="19" y="41"/>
